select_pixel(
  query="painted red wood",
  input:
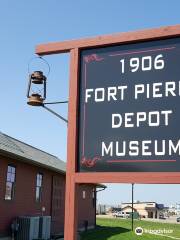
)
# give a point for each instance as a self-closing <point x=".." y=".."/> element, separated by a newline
<point x="128" y="177"/>
<point x="142" y="35"/>
<point x="71" y="186"/>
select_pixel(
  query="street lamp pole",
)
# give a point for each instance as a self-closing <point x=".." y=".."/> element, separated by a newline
<point x="132" y="217"/>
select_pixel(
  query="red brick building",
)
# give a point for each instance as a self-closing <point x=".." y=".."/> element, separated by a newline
<point x="32" y="183"/>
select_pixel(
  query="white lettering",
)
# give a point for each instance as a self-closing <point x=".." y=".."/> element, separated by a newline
<point x="87" y="94"/>
<point x="116" y="123"/>
<point x="107" y="150"/>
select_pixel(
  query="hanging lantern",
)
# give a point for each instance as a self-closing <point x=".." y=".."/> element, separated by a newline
<point x="36" y="92"/>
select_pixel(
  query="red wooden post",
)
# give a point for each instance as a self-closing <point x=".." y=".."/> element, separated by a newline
<point x="71" y="186"/>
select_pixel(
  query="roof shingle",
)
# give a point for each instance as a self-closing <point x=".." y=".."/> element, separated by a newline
<point x="29" y="153"/>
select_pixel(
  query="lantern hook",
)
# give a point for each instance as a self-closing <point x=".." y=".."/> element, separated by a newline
<point x="43" y="60"/>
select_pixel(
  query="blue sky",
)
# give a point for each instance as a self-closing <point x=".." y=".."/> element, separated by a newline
<point x="24" y="24"/>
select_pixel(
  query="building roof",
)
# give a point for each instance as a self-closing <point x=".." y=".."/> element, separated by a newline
<point x="136" y="202"/>
<point x="128" y="206"/>
<point x="12" y="147"/>
<point x="158" y="206"/>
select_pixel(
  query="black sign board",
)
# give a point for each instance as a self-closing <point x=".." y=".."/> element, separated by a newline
<point x="129" y="109"/>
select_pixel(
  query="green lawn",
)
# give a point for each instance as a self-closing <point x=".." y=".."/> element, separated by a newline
<point x="120" y="229"/>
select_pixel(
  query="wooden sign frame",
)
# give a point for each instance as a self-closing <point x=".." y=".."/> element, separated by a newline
<point x="73" y="178"/>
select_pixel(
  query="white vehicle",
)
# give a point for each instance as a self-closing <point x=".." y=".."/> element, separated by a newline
<point x="121" y="214"/>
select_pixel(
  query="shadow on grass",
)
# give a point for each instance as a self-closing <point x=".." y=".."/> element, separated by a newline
<point x="103" y="233"/>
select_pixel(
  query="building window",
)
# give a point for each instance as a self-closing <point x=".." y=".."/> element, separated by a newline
<point x="93" y="193"/>
<point x="39" y="179"/>
<point x="94" y="198"/>
<point x="84" y="194"/>
<point x="10" y="183"/>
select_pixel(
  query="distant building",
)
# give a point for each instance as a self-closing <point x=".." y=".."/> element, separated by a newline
<point x="101" y="209"/>
<point x="178" y="208"/>
<point x="32" y="183"/>
<point x="113" y="209"/>
<point x="144" y="209"/>
<point x="174" y="209"/>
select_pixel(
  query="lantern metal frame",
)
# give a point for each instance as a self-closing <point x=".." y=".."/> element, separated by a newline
<point x="36" y="99"/>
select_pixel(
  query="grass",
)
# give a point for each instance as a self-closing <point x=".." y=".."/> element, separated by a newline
<point x="120" y="229"/>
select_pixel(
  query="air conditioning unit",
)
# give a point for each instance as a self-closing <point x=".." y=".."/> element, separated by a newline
<point x="45" y="227"/>
<point x="28" y="228"/>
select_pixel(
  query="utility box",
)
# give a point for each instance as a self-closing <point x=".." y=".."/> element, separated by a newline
<point x="135" y="215"/>
<point x="28" y="228"/>
<point x="45" y="227"/>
